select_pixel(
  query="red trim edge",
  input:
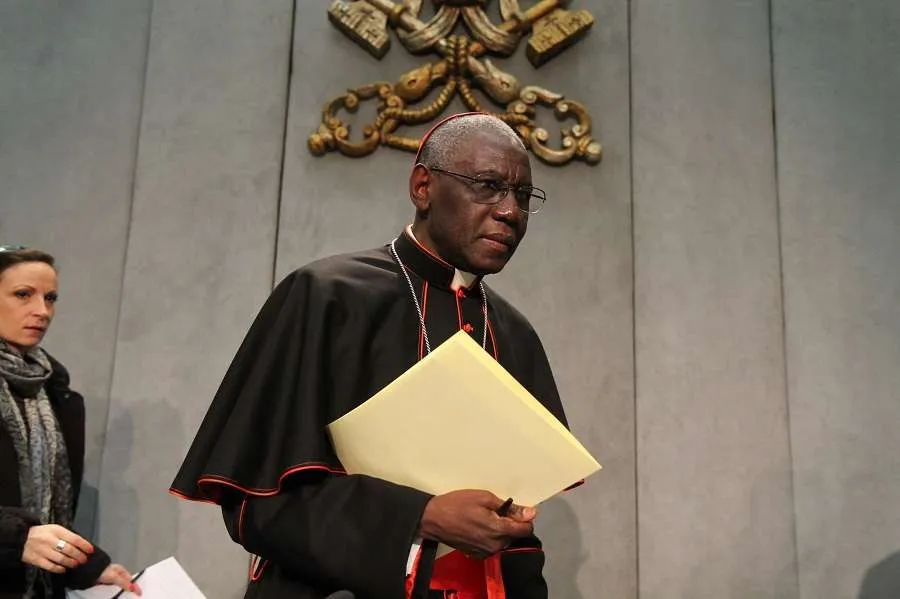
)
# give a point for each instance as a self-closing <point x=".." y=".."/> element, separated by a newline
<point x="257" y="568"/>
<point x="523" y="550"/>
<point x="212" y="480"/>
<point x="240" y="530"/>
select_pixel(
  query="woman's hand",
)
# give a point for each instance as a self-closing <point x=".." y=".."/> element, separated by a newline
<point x="117" y="574"/>
<point x="55" y="549"/>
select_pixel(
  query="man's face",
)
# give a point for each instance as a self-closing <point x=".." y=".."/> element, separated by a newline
<point x="476" y="237"/>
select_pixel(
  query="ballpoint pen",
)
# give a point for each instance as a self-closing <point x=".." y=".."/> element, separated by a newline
<point x="503" y="510"/>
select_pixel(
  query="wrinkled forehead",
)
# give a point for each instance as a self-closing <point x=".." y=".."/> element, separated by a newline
<point x="487" y="152"/>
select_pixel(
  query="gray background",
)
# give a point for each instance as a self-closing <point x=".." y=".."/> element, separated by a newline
<point x="720" y="298"/>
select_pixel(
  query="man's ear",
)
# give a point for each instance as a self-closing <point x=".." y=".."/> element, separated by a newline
<point x="419" y="182"/>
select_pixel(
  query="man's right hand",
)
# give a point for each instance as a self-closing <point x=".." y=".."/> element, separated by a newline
<point x="468" y="520"/>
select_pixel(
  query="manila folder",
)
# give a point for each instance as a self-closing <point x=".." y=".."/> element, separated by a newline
<point x="458" y="420"/>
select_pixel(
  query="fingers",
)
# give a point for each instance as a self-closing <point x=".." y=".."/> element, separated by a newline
<point x="45" y="564"/>
<point x="66" y="548"/>
<point x="77" y="554"/>
<point x="59" y="558"/>
<point x="504" y="529"/>
<point x="476" y="521"/>
<point x="121" y="579"/>
<point x="508" y="509"/>
<point x="117" y="575"/>
<point x="73" y="539"/>
<point x="512" y="528"/>
<point x="71" y="554"/>
<point x="54" y="548"/>
<point x="491" y="501"/>
<point x="522" y="513"/>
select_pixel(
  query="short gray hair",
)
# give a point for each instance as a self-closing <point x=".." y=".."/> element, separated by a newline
<point x="445" y="141"/>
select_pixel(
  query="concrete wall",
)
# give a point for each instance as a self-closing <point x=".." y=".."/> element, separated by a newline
<point x="199" y="265"/>
<point x="837" y="94"/>
<point x="714" y="489"/>
<point x="718" y="298"/>
<point x="71" y="92"/>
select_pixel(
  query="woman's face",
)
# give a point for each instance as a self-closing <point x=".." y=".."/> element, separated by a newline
<point x="28" y="293"/>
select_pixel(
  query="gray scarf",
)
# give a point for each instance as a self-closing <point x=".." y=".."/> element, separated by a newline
<point x="45" y="480"/>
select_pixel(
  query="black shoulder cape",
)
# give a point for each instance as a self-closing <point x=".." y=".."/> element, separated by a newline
<point x="330" y="336"/>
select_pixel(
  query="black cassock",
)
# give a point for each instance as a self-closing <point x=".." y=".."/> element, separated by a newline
<point x="330" y="336"/>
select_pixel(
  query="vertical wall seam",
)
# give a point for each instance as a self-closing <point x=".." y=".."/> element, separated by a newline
<point x="784" y="344"/>
<point x="128" y="227"/>
<point x="634" y="363"/>
<point x="284" y="138"/>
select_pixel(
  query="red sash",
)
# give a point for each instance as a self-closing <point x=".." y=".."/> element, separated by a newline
<point x="469" y="578"/>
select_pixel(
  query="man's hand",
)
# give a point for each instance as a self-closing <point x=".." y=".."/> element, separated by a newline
<point x="468" y="520"/>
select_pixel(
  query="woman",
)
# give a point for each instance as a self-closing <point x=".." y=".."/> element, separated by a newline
<point x="41" y="446"/>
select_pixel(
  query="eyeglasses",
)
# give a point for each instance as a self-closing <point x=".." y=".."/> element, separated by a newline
<point x="12" y="248"/>
<point x="491" y="191"/>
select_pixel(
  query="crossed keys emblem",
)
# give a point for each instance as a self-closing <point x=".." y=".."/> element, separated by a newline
<point x="462" y="65"/>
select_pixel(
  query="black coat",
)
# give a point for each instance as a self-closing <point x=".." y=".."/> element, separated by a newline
<point x="329" y="337"/>
<point x="15" y="521"/>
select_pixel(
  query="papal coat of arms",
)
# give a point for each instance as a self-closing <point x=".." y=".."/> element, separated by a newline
<point x="462" y="65"/>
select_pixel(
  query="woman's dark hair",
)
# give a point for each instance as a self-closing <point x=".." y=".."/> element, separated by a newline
<point x="10" y="256"/>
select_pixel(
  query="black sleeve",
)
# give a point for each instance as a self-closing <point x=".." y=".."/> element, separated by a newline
<point x="522" y="564"/>
<point x="543" y="384"/>
<point x="352" y="532"/>
<point x="86" y="575"/>
<point x="14" y="525"/>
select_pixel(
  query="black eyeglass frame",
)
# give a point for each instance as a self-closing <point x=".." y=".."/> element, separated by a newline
<point x="500" y="190"/>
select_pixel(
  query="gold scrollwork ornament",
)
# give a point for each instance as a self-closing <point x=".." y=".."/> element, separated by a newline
<point x="461" y="67"/>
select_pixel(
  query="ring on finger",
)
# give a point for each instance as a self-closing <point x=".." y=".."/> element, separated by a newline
<point x="60" y="545"/>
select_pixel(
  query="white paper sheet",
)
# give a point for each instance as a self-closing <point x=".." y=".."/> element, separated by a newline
<point x="163" y="580"/>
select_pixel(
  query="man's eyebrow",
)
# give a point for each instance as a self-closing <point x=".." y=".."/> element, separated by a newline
<point x="489" y="172"/>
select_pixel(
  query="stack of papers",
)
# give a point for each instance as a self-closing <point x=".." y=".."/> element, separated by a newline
<point x="163" y="580"/>
<point x="458" y="420"/>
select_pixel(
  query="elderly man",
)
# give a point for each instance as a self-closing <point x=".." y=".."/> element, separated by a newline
<point x="330" y="336"/>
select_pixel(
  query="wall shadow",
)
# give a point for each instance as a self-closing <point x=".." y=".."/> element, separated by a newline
<point x="882" y="581"/>
<point x="559" y="531"/>
<point x="137" y="521"/>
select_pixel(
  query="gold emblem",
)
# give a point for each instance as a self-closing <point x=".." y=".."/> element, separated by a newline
<point x="363" y="23"/>
<point x="461" y="66"/>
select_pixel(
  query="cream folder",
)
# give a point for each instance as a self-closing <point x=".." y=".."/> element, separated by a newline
<point x="459" y="420"/>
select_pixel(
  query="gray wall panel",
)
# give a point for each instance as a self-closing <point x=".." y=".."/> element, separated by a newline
<point x="332" y="203"/>
<point x="572" y="275"/>
<point x="838" y="105"/>
<point x="715" y="508"/>
<point x="199" y="266"/>
<point x="71" y="79"/>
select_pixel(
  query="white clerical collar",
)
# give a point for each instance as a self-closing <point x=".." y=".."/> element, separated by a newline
<point x="460" y="278"/>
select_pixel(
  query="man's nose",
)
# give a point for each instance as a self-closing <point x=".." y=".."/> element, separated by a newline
<point x="507" y="207"/>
